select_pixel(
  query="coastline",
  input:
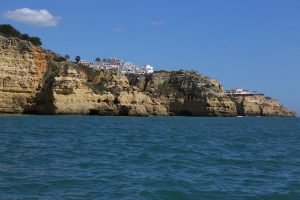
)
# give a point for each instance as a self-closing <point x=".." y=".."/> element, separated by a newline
<point x="43" y="82"/>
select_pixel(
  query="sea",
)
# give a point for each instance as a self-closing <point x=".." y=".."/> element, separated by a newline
<point x="172" y="158"/>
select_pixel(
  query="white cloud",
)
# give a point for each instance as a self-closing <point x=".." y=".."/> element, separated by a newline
<point x="158" y="23"/>
<point x="119" y="29"/>
<point x="42" y="18"/>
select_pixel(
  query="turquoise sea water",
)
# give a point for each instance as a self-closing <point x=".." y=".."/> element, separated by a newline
<point x="77" y="157"/>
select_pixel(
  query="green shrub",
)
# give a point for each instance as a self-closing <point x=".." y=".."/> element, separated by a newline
<point x="132" y="79"/>
<point x="90" y="73"/>
<point x="59" y="59"/>
<point x="8" y="30"/>
<point x="99" y="88"/>
<point x="165" y="89"/>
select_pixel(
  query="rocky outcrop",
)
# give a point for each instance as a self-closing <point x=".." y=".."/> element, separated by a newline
<point x="33" y="80"/>
<point x="22" y="67"/>
<point x="186" y="93"/>
<point x="259" y="105"/>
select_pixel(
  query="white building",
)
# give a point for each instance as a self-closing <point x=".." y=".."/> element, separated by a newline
<point x="238" y="91"/>
<point x="85" y="63"/>
<point x="148" y="69"/>
<point x="128" y="68"/>
<point x="124" y="67"/>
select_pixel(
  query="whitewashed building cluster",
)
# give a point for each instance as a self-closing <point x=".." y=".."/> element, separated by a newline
<point x="114" y="63"/>
<point x="240" y="91"/>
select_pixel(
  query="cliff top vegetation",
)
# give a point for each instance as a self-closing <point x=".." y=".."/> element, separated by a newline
<point x="8" y="30"/>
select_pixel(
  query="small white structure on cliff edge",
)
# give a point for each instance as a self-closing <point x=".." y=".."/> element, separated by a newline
<point x="238" y="91"/>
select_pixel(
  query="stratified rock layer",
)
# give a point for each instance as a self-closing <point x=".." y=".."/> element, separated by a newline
<point x="259" y="105"/>
<point x="22" y="67"/>
<point x="187" y="93"/>
<point x="33" y="80"/>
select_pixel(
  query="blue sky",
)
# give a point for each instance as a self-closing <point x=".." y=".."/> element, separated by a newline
<point x="249" y="44"/>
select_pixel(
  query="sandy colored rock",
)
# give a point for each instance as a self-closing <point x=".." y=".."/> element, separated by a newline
<point x="187" y="93"/>
<point x="34" y="80"/>
<point x="259" y="105"/>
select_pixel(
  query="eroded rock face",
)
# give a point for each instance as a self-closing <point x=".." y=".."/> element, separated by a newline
<point x="22" y="67"/>
<point x="187" y="93"/>
<point x="73" y="95"/>
<point x="259" y="105"/>
<point x="33" y="80"/>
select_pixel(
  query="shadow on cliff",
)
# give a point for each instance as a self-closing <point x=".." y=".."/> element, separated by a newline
<point x="44" y="99"/>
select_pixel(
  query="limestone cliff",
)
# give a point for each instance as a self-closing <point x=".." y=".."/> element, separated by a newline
<point x="259" y="105"/>
<point x="186" y="93"/>
<point x="22" y="67"/>
<point x="33" y="80"/>
<point x="105" y="93"/>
